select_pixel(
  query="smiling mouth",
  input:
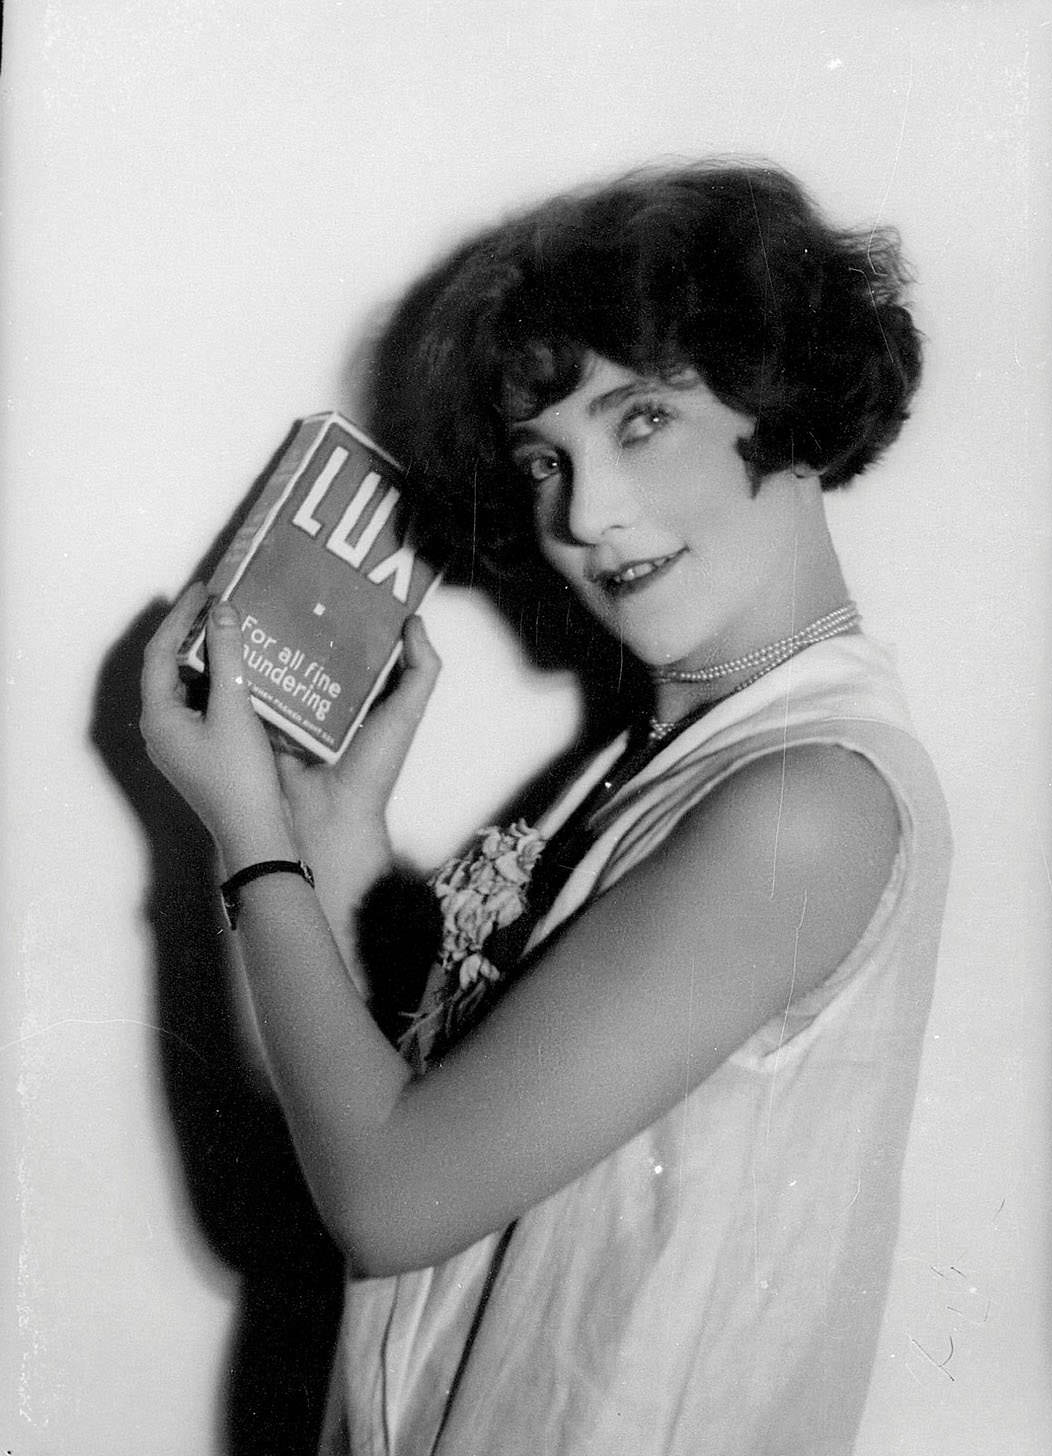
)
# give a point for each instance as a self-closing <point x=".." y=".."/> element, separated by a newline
<point x="635" y="575"/>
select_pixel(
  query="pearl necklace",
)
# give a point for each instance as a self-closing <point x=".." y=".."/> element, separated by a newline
<point x="761" y="660"/>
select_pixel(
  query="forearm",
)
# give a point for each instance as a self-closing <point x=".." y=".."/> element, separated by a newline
<point x="338" y="1080"/>
<point x="340" y="884"/>
<point x="336" y="1076"/>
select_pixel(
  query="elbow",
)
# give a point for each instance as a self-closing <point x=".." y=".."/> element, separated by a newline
<point x="371" y="1257"/>
<point x="389" y="1231"/>
<point x="377" y="1263"/>
<point x="375" y="1242"/>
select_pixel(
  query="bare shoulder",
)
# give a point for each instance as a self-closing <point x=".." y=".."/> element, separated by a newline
<point x="814" y="799"/>
<point x="815" y="827"/>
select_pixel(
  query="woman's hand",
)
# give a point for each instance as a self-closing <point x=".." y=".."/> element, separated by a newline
<point x="256" y="804"/>
<point x="320" y="796"/>
<point x="338" y="812"/>
<point x="220" y="760"/>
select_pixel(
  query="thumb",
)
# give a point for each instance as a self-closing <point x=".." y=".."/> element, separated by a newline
<point x="420" y="670"/>
<point x="292" y="770"/>
<point x="384" y="738"/>
<point x="226" y="661"/>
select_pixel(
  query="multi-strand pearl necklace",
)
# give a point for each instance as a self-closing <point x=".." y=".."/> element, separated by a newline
<point x="758" y="662"/>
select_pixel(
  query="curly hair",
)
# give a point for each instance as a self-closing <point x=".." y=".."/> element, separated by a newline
<point x="726" y="268"/>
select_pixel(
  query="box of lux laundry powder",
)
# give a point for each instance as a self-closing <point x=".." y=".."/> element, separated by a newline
<point x="324" y="576"/>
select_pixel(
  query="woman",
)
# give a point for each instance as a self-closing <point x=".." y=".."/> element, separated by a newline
<point x="630" y="1183"/>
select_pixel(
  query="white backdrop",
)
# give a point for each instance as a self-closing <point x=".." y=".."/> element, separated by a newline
<point x="206" y="204"/>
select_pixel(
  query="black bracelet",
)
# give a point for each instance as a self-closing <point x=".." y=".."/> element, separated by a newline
<point x="228" y="890"/>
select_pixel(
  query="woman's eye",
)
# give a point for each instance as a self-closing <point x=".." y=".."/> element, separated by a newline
<point x="642" y="422"/>
<point x="539" y="468"/>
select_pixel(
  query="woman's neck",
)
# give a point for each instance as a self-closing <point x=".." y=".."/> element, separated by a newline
<point x="809" y="590"/>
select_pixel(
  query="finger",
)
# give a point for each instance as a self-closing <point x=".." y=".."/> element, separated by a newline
<point x="404" y="707"/>
<point x="160" y="672"/>
<point x="390" y="728"/>
<point x="291" y="770"/>
<point x="226" y="659"/>
<point x="419" y="650"/>
<point x="422" y="666"/>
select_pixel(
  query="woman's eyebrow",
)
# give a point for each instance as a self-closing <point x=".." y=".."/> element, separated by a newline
<point x="611" y="398"/>
<point x="525" y="430"/>
<point x="522" y="432"/>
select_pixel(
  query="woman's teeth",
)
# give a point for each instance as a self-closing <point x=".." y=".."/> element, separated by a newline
<point x="635" y="571"/>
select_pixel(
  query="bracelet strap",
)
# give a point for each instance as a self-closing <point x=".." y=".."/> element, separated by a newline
<point x="228" y="890"/>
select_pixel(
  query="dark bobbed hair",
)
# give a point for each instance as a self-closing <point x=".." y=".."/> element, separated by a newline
<point x="723" y="267"/>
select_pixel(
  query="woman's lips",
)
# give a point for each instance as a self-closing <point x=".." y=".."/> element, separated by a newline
<point x="634" y="576"/>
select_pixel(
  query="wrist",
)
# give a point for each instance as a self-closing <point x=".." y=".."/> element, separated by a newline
<point x="230" y="890"/>
<point x="247" y="844"/>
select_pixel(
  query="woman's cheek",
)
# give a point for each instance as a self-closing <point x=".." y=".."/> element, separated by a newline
<point x="565" y="560"/>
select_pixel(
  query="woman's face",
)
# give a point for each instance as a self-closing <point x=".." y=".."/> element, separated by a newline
<point x="643" y="504"/>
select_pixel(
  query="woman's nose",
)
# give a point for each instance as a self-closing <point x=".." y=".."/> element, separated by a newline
<point x="600" y="500"/>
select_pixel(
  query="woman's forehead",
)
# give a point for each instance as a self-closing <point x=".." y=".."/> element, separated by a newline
<point x="539" y="373"/>
<point x="601" y="386"/>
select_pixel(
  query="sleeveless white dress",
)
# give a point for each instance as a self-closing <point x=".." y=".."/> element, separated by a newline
<point x="714" y="1287"/>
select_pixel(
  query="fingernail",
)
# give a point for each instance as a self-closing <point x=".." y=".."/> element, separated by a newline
<point x="224" y="615"/>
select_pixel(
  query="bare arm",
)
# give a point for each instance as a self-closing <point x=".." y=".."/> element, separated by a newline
<point x="754" y="899"/>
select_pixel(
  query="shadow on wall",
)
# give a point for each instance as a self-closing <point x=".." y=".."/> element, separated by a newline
<point x="250" y="1200"/>
<point x="251" y="1204"/>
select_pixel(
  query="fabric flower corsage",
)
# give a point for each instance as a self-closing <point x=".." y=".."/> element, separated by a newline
<point x="479" y="892"/>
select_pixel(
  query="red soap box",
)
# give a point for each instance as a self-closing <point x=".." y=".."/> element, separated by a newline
<point x="324" y="577"/>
